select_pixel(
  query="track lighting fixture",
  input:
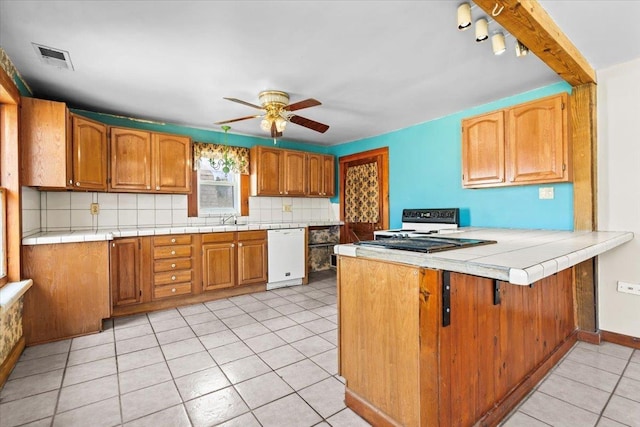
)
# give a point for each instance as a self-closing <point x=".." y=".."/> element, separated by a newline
<point x="482" y="30"/>
<point x="521" y="50"/>
<point x="464" y="16"/>
<point x="497" y="43"/>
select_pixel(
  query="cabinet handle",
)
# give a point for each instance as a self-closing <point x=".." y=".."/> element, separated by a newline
<point x="157" y="187"/>
<point x="173" y="290"/>
<point x="173" y="252"/>
<point x="233" y="246"/>
<point x="286" y="192"/>
<point x="173" y="277"/>
<point x="173" y="266"/>
<point x="281" y="192"/>
<point x="71" y="181"/>
<point x="77" y="184"/>
<point x="239" y="244"/>
<point x="173" y="240"/>
<point x="148" y="187"/>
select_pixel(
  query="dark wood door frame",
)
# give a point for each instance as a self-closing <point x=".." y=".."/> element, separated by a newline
<point x="382" y="155"/>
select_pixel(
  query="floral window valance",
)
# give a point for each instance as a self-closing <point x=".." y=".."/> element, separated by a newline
<point x="236" y="157"/>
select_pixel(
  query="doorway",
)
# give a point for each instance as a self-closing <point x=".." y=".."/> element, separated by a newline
<point x="364" y="194"/>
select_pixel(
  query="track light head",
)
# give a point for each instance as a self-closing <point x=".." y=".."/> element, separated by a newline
<point x="521" y="50"/>
<point x="464" y="16"/>
<point x="497" y="43"/>
<point x="482" y="30"/>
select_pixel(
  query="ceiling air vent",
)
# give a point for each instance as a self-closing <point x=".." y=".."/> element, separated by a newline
<point x="55" y="57"/>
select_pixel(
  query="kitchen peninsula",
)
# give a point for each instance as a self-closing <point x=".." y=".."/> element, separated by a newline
<point x="458" y="337"/>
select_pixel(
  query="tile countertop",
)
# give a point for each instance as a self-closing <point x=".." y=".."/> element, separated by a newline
<point x="520" y="257"/>
<point x="78" y="236"/>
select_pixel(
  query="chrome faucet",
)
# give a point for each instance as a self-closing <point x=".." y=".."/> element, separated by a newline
<point x="224" y="219"/>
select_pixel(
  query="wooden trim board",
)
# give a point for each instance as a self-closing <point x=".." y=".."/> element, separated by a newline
<point x="625" y="340"/>
<point x="11" y="360"/>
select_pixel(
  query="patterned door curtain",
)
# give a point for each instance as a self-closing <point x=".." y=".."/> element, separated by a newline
<point x="361" y="193"/>
<point x="236" y="159"/>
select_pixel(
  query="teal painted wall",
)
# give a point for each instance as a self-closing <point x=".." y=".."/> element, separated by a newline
<point x="425" y="171"/>
<point x="198" y="135"/>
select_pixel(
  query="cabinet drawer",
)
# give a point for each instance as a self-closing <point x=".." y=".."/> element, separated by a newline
<point x="252" y="235"/>
<point x="169" y="277"/>
<point x="218" y="237"/>
<point x="182" y="239"/>
<point x="171" y="252"/>
<point x="171" y="290"/>
<point x="172" y="265"/>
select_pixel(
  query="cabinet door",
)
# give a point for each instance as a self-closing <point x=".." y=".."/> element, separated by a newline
<point x="252" y="262"/>
<point x="295" y="173"/>
<point x="483" y="150"/>
<point x="218" y="265"/>
<point x="130" y="160"/>
<point x="328" y="172"/>
<point x="172" y="163"/>
<point x="538" y="141"/>
<point x="315" y="168"/>
<point x="89" y="154"/>
<point x="267" y="171"/>
<point x="125" y="272"/>
<point x="45" y="141"/>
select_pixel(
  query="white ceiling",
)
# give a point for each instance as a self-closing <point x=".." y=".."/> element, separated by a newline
<point x="376" y="66"/>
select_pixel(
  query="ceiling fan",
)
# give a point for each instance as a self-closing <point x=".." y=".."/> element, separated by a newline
<point x="277" y="112"/>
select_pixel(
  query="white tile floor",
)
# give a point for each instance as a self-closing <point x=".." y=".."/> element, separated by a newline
<point x="267" y="359"/>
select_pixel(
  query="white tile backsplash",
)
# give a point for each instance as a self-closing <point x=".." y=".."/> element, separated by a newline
<point x="60" y="211"/>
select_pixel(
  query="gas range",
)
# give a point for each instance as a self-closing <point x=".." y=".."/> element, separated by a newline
<point x="423" y="222"/>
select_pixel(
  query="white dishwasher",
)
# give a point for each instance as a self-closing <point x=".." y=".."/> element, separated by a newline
<point x="286" y="248"/>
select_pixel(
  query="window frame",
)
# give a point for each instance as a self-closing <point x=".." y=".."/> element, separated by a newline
<point x="3" y="237"/>
<point x="237" y="189"/>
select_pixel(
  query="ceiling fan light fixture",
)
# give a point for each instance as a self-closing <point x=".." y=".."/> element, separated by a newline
<point x="273" y="97"/>
<point x="265" y="125"/>
<point x="464" y="16"/>
<point x="281" y="124"/>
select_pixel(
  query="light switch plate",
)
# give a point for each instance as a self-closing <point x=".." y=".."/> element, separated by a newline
<point x="545" y="193"/>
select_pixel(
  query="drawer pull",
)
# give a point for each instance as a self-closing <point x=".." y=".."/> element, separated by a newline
<point x="239" y="244"/>
<point x="77" y="184"/>
<point x="173" y="290"/>
<point x="173" y="240"/>
<point x="173" y="266"/>
<point x="173" y="252"/>
<point x="233" y="246"/>
<point x="173" y="277"/>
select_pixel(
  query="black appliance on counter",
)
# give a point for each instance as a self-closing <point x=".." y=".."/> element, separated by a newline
<point x="422" y="231"/>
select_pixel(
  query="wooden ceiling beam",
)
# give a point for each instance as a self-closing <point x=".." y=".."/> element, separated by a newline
<point x="527" y="21"/>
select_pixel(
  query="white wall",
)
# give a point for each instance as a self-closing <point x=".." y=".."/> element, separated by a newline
<point x="619" y="193"/>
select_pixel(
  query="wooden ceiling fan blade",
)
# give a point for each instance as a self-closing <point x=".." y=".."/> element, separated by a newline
<point x="305" y="103"/>
<point x="274" y="131"/>
<point x="308" y="123"/>
<point x="238" y="119"/>
<point x="240" y="101"/>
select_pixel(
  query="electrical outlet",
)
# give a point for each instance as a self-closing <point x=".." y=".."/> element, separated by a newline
<point x="286" y="208"/>
<point x="545" y="193"/>
<point x="629" y="288"/>
<point x="94" y="208"/>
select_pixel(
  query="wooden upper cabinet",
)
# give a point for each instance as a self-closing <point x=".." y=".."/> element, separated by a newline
<point x="89" y="154"/>
<point x="150" y="162"/>
<point x="130" y="160"/>
<point x="321" y="178"/>
<point x="523" y="144"/>
<point x="538" y="142"/>
<point x="483" y="148"/>
<point x="61" y="150"/>
<point x="267" y="171"/>
<point x="295" y="173"/>
<point x="172" y="163"/>
<point x="281" y="172"/>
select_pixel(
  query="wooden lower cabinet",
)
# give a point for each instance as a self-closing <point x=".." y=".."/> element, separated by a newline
<point x="70" y="292"/>
<point x="159" y="272"/>
<point x="418" y="368"/>
<point x="218" y="261"/>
